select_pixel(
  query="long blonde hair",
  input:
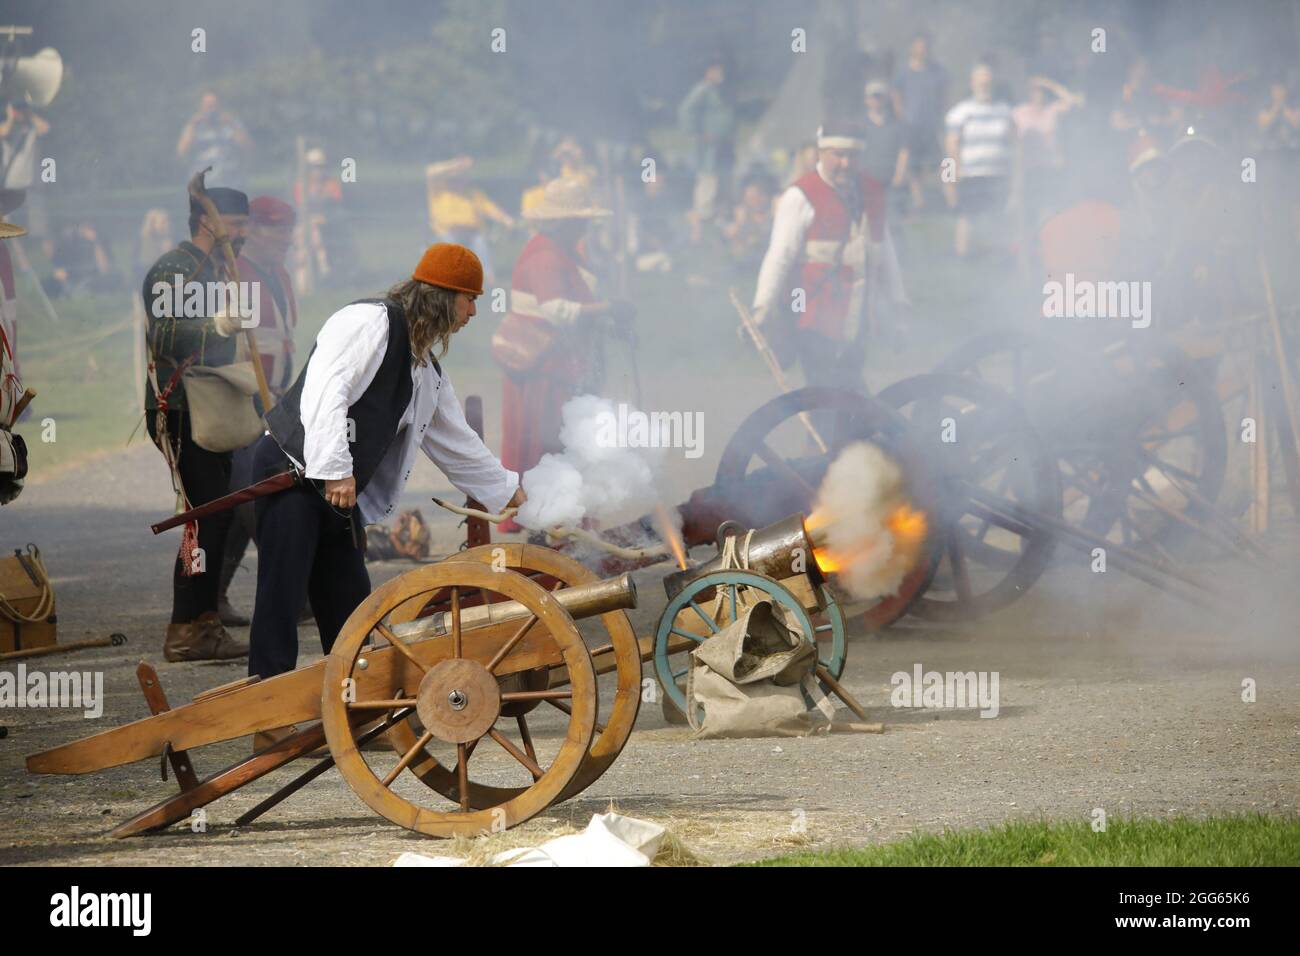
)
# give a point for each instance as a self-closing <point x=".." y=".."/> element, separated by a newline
<point x="430" y="315"/>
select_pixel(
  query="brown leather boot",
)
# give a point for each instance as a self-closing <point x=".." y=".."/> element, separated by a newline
<point x="182" y="642"/>
<point x="203" y="639"/>
<point x="221" y="646"/>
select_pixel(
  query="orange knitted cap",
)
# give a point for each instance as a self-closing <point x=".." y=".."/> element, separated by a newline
<point x="450" y="266"/>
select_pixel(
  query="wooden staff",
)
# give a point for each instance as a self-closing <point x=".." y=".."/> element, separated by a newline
<point x="200" y="195"/>
<point x="115" y="640"/>
<point x="620" y="261"/>
<point x="1260" y="480"/>
<point x="1288" y="387"/>
<point x="760" y="343"/>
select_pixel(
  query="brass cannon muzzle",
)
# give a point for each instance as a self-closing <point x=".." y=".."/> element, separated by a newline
<point x="777" y="551"/>
<point x="585" y="600"/>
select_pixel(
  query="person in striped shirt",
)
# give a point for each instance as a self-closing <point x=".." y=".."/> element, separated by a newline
<point x="981" y="137"/>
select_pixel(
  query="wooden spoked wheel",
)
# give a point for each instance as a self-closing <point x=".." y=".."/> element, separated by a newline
<point x="1167" y="455"/>
<point x="1136" y="428"/>
<point x="610" y="737"/>
<point x="772" y="468"/>
<point x="452" y="682"/>
<point x="978" y="444"/>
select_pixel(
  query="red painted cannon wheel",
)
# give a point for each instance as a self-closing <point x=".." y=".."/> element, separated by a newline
<point x="764" y="450"/>
<point x="973" y="434"/>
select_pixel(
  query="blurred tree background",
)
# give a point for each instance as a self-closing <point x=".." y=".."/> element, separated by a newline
<point x="410" y="81"/>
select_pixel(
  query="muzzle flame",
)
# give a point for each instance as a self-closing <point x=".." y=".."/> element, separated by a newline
<point x="672" y="537"/>
<point x="907" y="526"/>
<point x="864" y="528"/>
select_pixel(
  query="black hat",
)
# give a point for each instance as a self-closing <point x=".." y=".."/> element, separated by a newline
<point x="224" y="200"/>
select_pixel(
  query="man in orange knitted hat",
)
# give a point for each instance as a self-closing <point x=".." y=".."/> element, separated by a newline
<point x="370" y="398"/>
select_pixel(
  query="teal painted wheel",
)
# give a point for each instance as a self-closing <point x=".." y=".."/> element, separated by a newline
<point x="826" y="631"/>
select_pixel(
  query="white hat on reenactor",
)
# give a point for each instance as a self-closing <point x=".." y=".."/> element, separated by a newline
<point x="566" y="199"/>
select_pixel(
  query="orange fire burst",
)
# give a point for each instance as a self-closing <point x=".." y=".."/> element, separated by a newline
<point x="670" y="534"/>
<point x="907" y="525"/>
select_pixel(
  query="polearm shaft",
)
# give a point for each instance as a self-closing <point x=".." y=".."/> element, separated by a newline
<point x="765" y="350"/>
<point x="267" y="486"/>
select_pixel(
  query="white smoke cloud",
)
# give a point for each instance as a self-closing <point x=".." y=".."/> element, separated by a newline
<point x="594" y="477"/>
<point x="862" y="489"/>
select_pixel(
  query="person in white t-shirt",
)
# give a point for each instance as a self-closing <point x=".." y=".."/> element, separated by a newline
<point x="981" y="137"/>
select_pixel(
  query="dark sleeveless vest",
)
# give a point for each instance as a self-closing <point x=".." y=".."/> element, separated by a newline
<point x="377" y="413"/>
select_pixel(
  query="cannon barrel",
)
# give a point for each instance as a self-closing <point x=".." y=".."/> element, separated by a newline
<point x="772" y="551"/>
<point x="584" y="600"/>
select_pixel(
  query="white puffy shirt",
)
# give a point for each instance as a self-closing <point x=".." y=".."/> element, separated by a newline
<point x="349" y="351"/>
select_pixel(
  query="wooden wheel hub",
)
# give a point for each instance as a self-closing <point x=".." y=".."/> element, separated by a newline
<point x="458" y="700"/>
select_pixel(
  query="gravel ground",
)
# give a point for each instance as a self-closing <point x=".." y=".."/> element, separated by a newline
<point x="1108" y="699"/>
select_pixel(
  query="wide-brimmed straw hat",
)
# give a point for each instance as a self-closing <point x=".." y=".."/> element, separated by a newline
<point x="10" y="199"/>
<point x="566" y="199"/>
<point x="449" y="167"/>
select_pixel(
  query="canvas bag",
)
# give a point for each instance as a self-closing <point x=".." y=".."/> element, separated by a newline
<point x="223" y="416"/>
<point x="13" y="451"/>
<point x="749" y="679"/>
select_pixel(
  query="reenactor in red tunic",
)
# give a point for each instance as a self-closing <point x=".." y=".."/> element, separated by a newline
<point x="546" y="345"/>
<point x="817" y="275"/>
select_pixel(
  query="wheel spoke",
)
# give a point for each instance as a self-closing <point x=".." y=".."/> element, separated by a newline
<point x="694" y="637"/>
<point x="527" y="738"/>
<point x="408" y="757"/>
<point x="1168" y="467"/>
<point x="510" y="748"/>
<point x="565" y="708"/>
<point x="455" y="622"/>
<point x="733" y="602"/>
<point x="1000" y="490"/>
<point x="782" y="467"/>
<point x="463" y="753"/>
<point x="462" y="776"/>
<point x="1186" y="431"/>
<point x="713" y="627"/>
<point x="960" y="573"/>
<point x="509" y="645"/>
<point x="381" y="704"/>
<point x="536" y="695"/>
<point x="398" y="643"/>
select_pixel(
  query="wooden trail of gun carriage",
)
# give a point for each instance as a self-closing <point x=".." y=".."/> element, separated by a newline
<point x="1121" y="444"/>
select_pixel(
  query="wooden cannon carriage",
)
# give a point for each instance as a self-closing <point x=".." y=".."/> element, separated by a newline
<point x="501" y="640"/>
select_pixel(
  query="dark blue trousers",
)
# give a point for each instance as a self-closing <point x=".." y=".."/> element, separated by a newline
<point x="306" y="550"/>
